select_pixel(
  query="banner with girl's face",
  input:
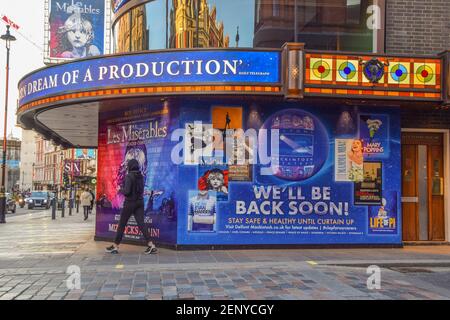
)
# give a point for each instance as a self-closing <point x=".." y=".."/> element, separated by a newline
<point x="76" y="28"/>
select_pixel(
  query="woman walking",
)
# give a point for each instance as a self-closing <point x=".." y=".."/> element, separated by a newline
<point x="133" y="190"/>
<point x="86" y="199"/>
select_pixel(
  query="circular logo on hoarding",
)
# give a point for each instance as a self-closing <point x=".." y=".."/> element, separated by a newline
<point x="302" y="144"/>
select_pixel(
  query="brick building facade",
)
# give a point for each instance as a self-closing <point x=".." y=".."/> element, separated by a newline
<point x="417" y="26"/>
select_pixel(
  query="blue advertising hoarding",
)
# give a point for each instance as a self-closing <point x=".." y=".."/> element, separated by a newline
<point x="154" y="69"/>
<point x="296" y="198"/>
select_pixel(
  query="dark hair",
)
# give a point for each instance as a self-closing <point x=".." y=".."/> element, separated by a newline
<point x="133" y="165"/>
<point x="120" y="177"/>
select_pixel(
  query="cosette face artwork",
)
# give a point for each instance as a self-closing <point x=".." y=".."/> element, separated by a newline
<point x="216" y="180"/>
<point x="79" y="34"/>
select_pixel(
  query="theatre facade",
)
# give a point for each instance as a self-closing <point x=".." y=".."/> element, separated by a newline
<point x="249" y="145"/>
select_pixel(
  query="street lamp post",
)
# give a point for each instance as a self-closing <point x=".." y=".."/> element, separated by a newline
<point x="8" y="39"/>
<point x="32" y="177"/>
<point x="61" y="173"/>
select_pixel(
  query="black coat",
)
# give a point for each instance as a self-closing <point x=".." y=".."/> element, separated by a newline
<point x="133" y="188"/>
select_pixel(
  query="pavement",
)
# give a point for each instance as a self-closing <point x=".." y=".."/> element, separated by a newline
<point x="58" y="259"/>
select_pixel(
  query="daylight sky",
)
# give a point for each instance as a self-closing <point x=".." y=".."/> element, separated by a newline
<point x="24" y="57"/>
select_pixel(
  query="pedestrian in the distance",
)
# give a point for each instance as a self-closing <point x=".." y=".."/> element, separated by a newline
<point x="92" y="201"/>
<point x="85" y="199"/>
<point x="133" y="190"/>
<point x="77" y="201"/>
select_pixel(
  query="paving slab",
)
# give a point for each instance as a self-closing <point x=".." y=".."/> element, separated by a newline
<point x="34" y="264"/>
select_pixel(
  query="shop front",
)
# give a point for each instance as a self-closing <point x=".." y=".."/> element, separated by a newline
<point x="252" y="146"/>
<point x="256" y="147"/>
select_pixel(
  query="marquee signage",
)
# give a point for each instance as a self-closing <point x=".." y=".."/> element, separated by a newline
<point x="117" y="4"/>
<point x="154" y="69"/>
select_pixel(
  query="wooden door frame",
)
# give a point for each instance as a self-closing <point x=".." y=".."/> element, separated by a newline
<point x="446" y="155"/>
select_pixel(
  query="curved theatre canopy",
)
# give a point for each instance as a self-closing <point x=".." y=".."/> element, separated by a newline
<point x="61" y="101"/>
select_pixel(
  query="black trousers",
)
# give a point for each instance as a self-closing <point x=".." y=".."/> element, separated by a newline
<point x="86" y="211"/>
<point x="135" y="208"/>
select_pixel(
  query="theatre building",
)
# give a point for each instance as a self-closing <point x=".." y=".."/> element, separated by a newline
<point x="258" y="123"/>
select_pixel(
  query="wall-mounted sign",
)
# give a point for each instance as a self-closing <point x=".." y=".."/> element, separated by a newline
<point x="85" y="154"/>
<point x="72" y="167"/>
<point x="12" y="164"/>
<point x="74" y="29"/>
<point x="154" y="69"/>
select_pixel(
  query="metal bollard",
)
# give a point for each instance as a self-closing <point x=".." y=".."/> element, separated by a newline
<point x="63" y="204"/>
<point x="54" y="208"/>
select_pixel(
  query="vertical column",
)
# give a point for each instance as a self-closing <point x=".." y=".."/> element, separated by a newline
<point x="293" y="70"/>
<point x="445" y="73"/>
<point x="378" y="22"/>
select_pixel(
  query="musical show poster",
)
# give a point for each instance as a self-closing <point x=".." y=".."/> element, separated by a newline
<point x="383" y="219"/>
<point x="202" y="211"/>
<point x="198" y="142"/>
<point x="349" y="160"/>
<point x="141" y="133"/>
<point x="214" y="178"/>
<point x="374" y="134"/>
<point x="230" y="141"/>
<point x="76" y="28"/>
<point x="368" y="191"/>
